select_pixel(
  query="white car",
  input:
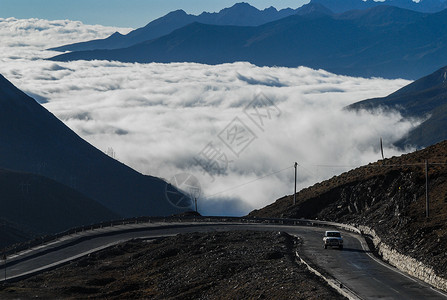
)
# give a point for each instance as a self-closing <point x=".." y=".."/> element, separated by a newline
<point x="333" y="239"/>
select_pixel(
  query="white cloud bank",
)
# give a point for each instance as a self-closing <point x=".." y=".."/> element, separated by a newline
<point x="158" y="118"/>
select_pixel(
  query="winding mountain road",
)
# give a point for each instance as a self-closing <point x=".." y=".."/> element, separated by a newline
<point x="354" y="267"/>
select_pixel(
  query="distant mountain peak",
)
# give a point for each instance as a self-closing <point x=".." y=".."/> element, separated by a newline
<point x="242" y="5"/>
<point x="271" y="9"/>
<point x="246" y="7"/>
<point x="313" y="9"/>
<point x="116" y="34"/>
<point x="177" y="12"/>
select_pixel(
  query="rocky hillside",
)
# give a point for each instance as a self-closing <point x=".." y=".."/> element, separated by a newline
<point x="388" y="196"/>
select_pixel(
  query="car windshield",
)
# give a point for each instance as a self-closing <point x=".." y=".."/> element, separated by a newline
<point x="333" y="234"/>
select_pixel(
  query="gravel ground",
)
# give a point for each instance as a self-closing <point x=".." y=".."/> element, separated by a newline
<point x="224" y="265"/>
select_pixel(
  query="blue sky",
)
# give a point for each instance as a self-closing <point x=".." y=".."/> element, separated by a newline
<point x="123" y="13"/>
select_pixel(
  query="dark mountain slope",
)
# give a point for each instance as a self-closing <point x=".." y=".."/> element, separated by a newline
<point x="219" y="44"/>
<point x="33" y="205"/>
<point x="340" y="6"/>
<point x="241" y="14"/>
<point x="154" y="29"/>
<point x="182" y="45"/>
<point x="382" y="16"/>
<point x="388" y="196"/>
<point x="33" y="140"/>
<point x="10" y="234"/>
<point x="313" y="8"/>
<point x="424" y="98"/>
<point x="382" y="41"/>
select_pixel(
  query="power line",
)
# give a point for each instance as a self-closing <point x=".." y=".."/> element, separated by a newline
<point x="332" y="166"/>
<point x="374" y="166"/>
<point x="321" y="166"/>
<point x="246" y="183"/>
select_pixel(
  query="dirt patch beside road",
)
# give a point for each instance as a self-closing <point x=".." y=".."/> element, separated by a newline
<point x="224" y="265"/>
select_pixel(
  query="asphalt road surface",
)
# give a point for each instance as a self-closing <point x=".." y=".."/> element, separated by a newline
<point x="353" y="266"/>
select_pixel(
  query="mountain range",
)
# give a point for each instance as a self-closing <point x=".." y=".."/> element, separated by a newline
<point x="241" y="14"/>
<point x="382" y="41"/>
<point x="340" y="6"/>
<point x="423" y="99"/>
<point x="32" y="140"/>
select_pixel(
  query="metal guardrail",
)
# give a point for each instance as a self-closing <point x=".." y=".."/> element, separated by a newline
<point x="14" y="249"/>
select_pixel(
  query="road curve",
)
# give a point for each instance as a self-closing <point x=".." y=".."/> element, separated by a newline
<point x="354" y="267"/>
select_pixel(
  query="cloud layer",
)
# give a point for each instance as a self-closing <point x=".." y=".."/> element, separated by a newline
<point x="227" y="124"/>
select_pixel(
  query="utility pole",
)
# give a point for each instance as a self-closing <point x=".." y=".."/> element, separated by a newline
<point x="294" y="194"/>
<point x="427" y="199"/>
<point x="195" y="200"/>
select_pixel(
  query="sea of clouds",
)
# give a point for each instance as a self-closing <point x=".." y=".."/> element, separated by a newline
<point x="228" y="125"/>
